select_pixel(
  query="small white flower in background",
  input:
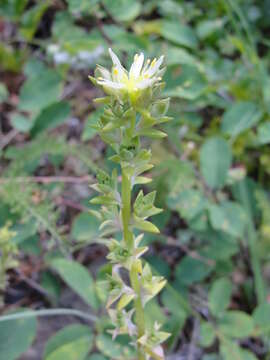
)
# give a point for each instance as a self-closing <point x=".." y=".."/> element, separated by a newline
<point x="140" y="76"/>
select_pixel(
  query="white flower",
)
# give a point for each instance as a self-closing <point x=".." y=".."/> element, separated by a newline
<point x="139" y="77"/>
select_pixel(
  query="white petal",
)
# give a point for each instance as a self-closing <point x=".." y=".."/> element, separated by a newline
<point x="136" y="67"/>
<point x="110" y="84"/>
<point x="104" y="73"/>
<point x="115" y="60"/>
<point x="146" y="83"/>
<point x="118" y="71"/>
<point x="154" y="66"/>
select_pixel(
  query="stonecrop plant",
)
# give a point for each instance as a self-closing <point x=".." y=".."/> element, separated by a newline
<point x="133" y="108"/>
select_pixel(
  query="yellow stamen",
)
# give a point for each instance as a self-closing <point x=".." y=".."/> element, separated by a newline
<point x="115" y="71"/>
<point x="148" y="61"/>
<point x="136" y="57"/>
<point x="100" y="78"/>
<point x="146" y="76"/>
<point x="153" y="62"/>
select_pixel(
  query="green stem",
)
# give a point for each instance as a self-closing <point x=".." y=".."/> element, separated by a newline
<point x="134" y="278"/>
<point x="134" y="273"/>
<point x="126" y="208"/>
<point x="252" y="239"/>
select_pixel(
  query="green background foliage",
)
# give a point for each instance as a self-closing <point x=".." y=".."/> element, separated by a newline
<point x="211" y="174"/>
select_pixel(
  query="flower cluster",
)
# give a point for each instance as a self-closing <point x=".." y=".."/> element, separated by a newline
<point x="133" y="109"/>
<point x="139" y="77"/>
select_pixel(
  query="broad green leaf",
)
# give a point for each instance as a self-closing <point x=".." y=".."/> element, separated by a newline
<point x="33" y="68"/>
<point x="220" y="245"/>
<point x="153" y="312"/>
<point x="127" y="41"/>
<point x="207" y="27"/>
<point x="215" y="161"/>
<point x="261" y="316"/>
<point x="115" y="349"/>
<point x="97" y="357"/>
<point x="40" y="90"/>
<point x="71" y="343"/>
<point x="51" y="284"/>
<point x="16" y="336"/>
<point x="228" y="217"/>
<point x="207" y="334"/>
<point x="176" y="55"/>
<point x="240" y="117"/>
<point x="231" y="350"/>
<point x="78" y="278"/>
<point x="264" y="133"/>
<point x="191" y="270"/>
<point x="220" y="296"/>
<point x="248" y="355"/>
<point x="189" y="203"/>
<point x="84" y="6"/>
<point x="85" y="227"/>
<point x="51" y="117"/>
<point x="236" y="324"/>
<point x="181" y="176"/>
<point x="159" y="264"/>
<point x="21" y="122"/>
<point x="174" y="305"/>
<point x="178" y="33"/>
<point x="185" y="82"/>
<point x="123" y="10"/>
<point x="199" y="223"/>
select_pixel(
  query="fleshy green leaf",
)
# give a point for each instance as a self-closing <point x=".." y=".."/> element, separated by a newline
<point x="146" y="226"/>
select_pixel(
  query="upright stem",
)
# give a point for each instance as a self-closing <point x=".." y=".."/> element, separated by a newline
<point x="252" y="240"/>
<point x="126" y="209"/>
<point x="134" y="273"/>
